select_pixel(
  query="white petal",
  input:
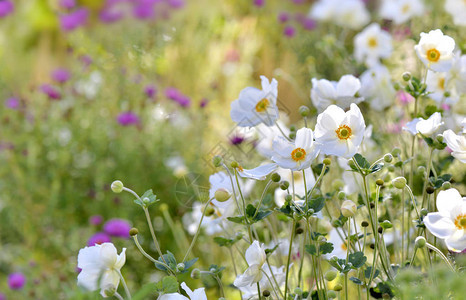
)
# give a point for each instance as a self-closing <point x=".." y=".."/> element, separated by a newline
<point x="108" y="255"/>
<point x="255" y="254"/>
<point x="457" y="242"/>
<point x="252" y="275"/>
<point x="348" y="86"/>
<point x="172" y="296"/>
<point x="448" y="200"/>
<point x="304" y="138"/>
<point x="89" y="257"/>
<point x="329" y="120"/>
<point x="258" y="173"/>
<point x="439" y="224"/>
<point x="109" y="278"/>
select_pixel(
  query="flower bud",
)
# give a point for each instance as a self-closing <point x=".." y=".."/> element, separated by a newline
<point x="396" y="151"/>
<point x="292" y="135"/>
<point x="209" y="211"/>
<point x="338" y="287"/>
<point x="380" y="230"/>
<point x="439" y="138"/>
<point x="406" y="76"/>
<point x="163" y="207"/>
<point x="351" y="163"/>
<point x="331" y="294"/>
<point x="446" y="185"/>
<point x="430" y="190"/>
<point x="117" y="186"/>
<point x="424" y="212"/>
<point x="109" y="290"/>
<point x="364" y="224"/>
<point x="266" y="293"/>
<point x="222" y="195"/>
<point x="447" y="94"/>
<point x="330" y="275"/>
<point x="292" y="128"/>
<point x="379" y="182"/>
<point x="421" y="169"/>
<point x="217" y="161"/>
<point x="196" y="274"/>
<point x="133" y="231"/>
<point x="388" y="157"/>
<point x="284" y="185"/>
<point x="288" y="198"/>
<point x="337" y="184"/>
<point x="239" y="235"/>
<point x="234" y="164"/>
<point x="299" y="230"/>
<point x="341" y="195"/>
<point x="391" y="168"/>
<point x="180" y="267"/>
<point x="275" y="177"/>
<point x="298" y="291"/>
<point x="399" y="182"/>
<point x="327" y="161"/>
<point x="348" y="208"/>
<point x="420" y="242"/>
<point x="321" y="239"/>
<point x="304" y="111"/>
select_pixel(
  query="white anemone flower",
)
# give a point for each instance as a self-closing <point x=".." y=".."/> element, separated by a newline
<point x="339" y="133"/>
<point x="437" y="85"/>
<point x="400" y="11"/>
<point x="258" y="173"/>
<point x="100" y="267"/>
<point x="255" y="106"/>
<point x="279" y="275"/>
<point x="197" y="294"/>
<point x="456" y="77"/>
<point x="296" y="155"/>
<point x="349" y="13"/>
<point x="377" y="87"/>
<point x="435" y="50"/>
<point x="457" y="143"/>
<point x="299" y="184"/>
<point x="342" y="93"/>
<point x="425" y="127"/>
<point x="372" y="44"/>
<point x="449" y="223"/>
<point x="457" y="9"/>
<point x="256" y="258"/>
<point x="266" y="135"/>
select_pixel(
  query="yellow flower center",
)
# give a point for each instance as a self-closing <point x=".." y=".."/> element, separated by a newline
<point x="343" y="132"/>
<point x="460" y="221"/>
<point x="298" y="154"/>
<point x="372" y="42"/>
<point x="441" y="83"/>
<point x="343" y="246"/>
<point x="262" y="105"/>
<point x="433" y="55"/>
<point x="405" y="8"/>
<point x="240" y="168"/>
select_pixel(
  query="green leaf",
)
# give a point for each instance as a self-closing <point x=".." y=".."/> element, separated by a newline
<point x="147" y="290"/>
<point x="357" y="259"/>
<point x="223" y="242"/>
<point x="147" y="199"/>
<point x="317" y="204"/>
<point x="361" y="161"/>
<point x="356" y="280"/>
<point x="367" y="272"/>
<point x="250" y="210"/>
<point x="169" y="284"/>
<point x="238" y="219"/>
<point x="188" y="264"/>
<point x="311" y="249"/>
<point x="262" y="215"/>
<point x="169" y="259"/>
<point x="326" y="248"/>
<point x="386" y="224"/>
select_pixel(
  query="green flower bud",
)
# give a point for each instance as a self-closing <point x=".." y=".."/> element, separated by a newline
<point x="399" y="182"/>
<point x="222" y="195"/>
<point x="406" y="76"/>
<point x="292" y="135"/>
<point x="209" y="211"/>
<point x="266" y="293"/>
<point x="430" y="190"/>
<point x="331" y="294"/>
<point x="275" y="177"/>
<point x="321" y="239"/>
<point x="330" y="275"/>
<point x="338" y="287"/>
<point x="133" y="231"/>
<point x="234" y="164"/>
<point x="180" y="267"/>
<point x="163" y="207"/>
<point x="284" y="185"/>
<point x="239" y="235"/>
<point x="341" y="195"/>
<point x="364" y="224"/>
<point x="117" y="186"/>
<point x="421" y="169"/>
<point x="439" y="138"/>
<point x="109" y="290"/>
<point x="327" y="161"/>
<point x="447" y="94"/>
<point x="196" y="274"/>
<point x="420" y="242"/>
<point x="424" y="212"/>
<point x="446" y="185"/>
<point x="292" y="128"/>
<point x="396" y="151"/>
<point x="388" y="157"/>
<point x="299" y="230"/>
<point x="391" y="168"/>
<point x="288" y="198"/>
<point x="217" y="161"/>
<point x="338" y="184"/>
<point x="304" y="111"/>
<point x="298" y="291"/>
<point x="379" y="182"/>
<point x="351" y="163"/>
<point x="348" y="208"/>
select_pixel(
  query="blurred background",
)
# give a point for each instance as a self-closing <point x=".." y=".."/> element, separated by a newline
<point x="140" y="90"/>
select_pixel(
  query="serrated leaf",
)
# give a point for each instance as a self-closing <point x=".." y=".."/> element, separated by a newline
<point x="311" y="249"/>
<point x="188" y="264"/>
<point x="317" y="204"/>
<point x="357" y="259"/>
<point x="326" y="248"/>
<point x="361" y="161"/>
<point x="169" y="284"/>
<point x="367" y="272"/>
<point x="169" y="259"/>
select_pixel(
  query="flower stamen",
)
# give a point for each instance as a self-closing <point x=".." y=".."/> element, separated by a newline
<point x="298" y="154"/>
<point x="433" y="55"/>
<point x="343" y="132"/>
<point x="460" y="221"/>
<point x="372" y="42"/>
<point x="262" y="105"/>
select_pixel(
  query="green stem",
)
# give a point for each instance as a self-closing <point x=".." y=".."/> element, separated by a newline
<point x="197" y="231"/>
<point x="123" y="282"/>
<point x="289" y="258"/>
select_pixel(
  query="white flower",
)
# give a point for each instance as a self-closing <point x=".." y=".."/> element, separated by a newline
<point x="255" y="106"/>
<point x="266" y="136"/>
<point x="372" y="44"/>
<point x="255" y="257"/>
<point x="456" y="77"/>
<point x="339" y="133"/>
<point x="177" y="165"/>
<point x="343" y="93"/>
<point x="211" y="224"/>
<point x="250" y="292"/>
<point x="437" y="85"/>
<point x="222" y="180"/>
<point x="296" y="155"/>
<point x="435" y="50"/>
<point x="449" y="223"/>
<point x="100" y="267"/>
<point x="197" y="294"/>
<point x="300" y="188"/>
<point x="258" y="173"/>
<point x="457" y="9"/>
<point x="425" y="127"/>
<point x="457" y="143"/>
<point x="377" y="88"/>
<point x="400" y="11"/>
<point x="349" y="13"/>
<point x="339" y="244"/>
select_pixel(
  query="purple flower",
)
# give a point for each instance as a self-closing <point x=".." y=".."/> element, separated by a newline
<point x="73" y="20"/>
<point x="99" y="238"/>
<point x="50" y="91"/>
<point x="86" y="60"/>
<point x="150" y="91"/>
<point x="16" y="281"/>
<point x="236" y="140"/>
<point x="308" y="24"/>
<point x="128" y="118"/>
<point x="117" y="228"/>
<point x="12" y="103"/>
<point x="289" y="31"/>
<point x="96" y="220"/>
<point x="283" y="17"/>
<point x="61" y="75"/>
<point x="175" y="95"/>
<point x="176" y="4"/>
<point x="172" y="93"/>
<point x="203" y="103"/>
<point x="2" y="296"/>
<point x="259" y="3"/>
<point x="6" y="8"/>
<point x="68" y="4"/>
<point x="144" y="9"/>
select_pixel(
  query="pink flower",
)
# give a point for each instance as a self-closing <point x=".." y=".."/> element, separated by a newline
<point x="128" y="118"/>
<point x="6" y="8"/>
<point x="73" y="20"/>
<point x="289" y="31"/>
<point x="61" y="75"/>
<point x="96" y="220"/>
<point x="99" y="238"/>
<point x="117" y="228"/>
<point x="16" y="281"/>
<point x="404" y="97"/>
<point x="50" y="91"/>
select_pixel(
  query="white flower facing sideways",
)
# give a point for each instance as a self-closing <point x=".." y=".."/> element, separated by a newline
<point x="100" y="267"/>
<point x="256" y="258"/>
<point x="449" y="223"/>
<point x="258" y="173"/>
<point x="197" y="294"/>
<point x="339" y="133"/>
<point x="425" y="127"/>
<point x="296" y="155"/>
<point x="400" y="11"/>
<point x="341" y="93"/>
<point x="457" y="143"/>
<point x="377" y="87"/>
<point x="437" y="84"/>
<point x="255" y="106"/>
<point x="435" y="50"/>
<point x="372" y="44"/>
